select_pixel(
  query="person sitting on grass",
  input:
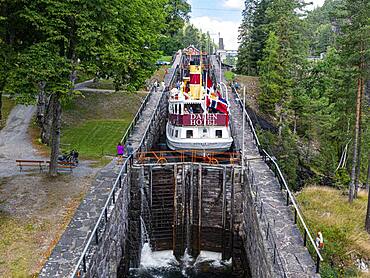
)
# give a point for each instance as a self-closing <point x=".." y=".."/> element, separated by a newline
<point x="319" y="240"/>
<point x="120" y="151"/>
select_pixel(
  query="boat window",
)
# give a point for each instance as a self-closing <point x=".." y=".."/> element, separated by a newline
<point x="194" y="108"/>
<point x="176" y="133"/>
<point x="218" y="133"/>
<point x="175" y="108"/>
<point x="180" y="108"/>
<point x="189" y="134"/>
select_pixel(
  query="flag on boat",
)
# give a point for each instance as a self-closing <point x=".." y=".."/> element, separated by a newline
<point x="215" y="101"/>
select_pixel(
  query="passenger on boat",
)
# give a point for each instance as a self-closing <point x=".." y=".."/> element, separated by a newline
<point x="191" y="111"/>
<point x="187" y="88"/>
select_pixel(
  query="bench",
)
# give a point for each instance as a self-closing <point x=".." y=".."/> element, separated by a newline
<point x="41" y="163"/>
<point x="65" y="165"/>
<point x="30" y="163"/>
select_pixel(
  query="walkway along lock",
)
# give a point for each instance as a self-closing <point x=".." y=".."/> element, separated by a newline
<point x="283" y="185"/>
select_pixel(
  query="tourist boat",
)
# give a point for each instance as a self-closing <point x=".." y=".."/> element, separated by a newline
<point x="198" y="108"/>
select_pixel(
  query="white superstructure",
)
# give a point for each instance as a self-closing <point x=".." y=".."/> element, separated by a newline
<point x="198" y="115"/>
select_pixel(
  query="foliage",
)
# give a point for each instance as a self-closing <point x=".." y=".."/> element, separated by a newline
<point x="229" y="75"/>
<point x="314" y="99"/>
<point x="253" y="36"/>
<point x="177" y="14"/>
<point x="8" y="105"/>
<point x="48" y="41"/>
<point x="272" y="80"/>
<point x="188" y="35"/>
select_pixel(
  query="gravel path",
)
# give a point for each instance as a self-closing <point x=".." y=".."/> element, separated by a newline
<point x="15" y="142"/>
<point x="83" y="87"/>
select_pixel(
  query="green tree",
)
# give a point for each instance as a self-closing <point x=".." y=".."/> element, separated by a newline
<point x="130" y="57"/>
<point x="252" y="35"/>
<point x="271" y="76"/>
<point x="355" y="43"/>
<point x="57" y="38"/>
<point x="177" y="14"/>
<point x="10" y="33"/>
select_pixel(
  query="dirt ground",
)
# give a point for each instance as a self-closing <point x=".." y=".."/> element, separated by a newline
<point x="252" y="87"/>
<point x="34" y="212"/>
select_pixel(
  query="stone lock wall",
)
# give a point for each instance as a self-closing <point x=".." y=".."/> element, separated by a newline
<point x="254" y="244"/>
<point x="113" y="246"/>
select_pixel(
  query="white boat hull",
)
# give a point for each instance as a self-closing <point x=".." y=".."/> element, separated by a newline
<point x="219" y="145"/>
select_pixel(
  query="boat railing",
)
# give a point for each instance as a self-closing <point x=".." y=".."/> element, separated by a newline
<point x="161" y="157"/>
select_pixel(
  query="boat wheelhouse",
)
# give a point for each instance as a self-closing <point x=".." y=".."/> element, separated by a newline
<point x="198" y="108"/>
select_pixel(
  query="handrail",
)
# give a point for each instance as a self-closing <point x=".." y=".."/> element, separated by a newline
<point x="292" y="199"/>
<point x="102" y="214"/>
<point x="283" y="183"/>
<point x="118" y="183"/>
<point x="137" y="115"/>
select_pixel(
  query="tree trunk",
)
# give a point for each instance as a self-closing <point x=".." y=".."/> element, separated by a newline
<point x="358" y="169"/>
<point x="356" y="139"/>
<point x="367" y="92"/>
<point x="368" y="174"/>
<point x="47" y="123"/>
<point x="41" y="105"/>
<point x="280" y="122"/>
<point x="367" y="220"/>
<point x="1" y="108"/>
<point x="56" y="111"/>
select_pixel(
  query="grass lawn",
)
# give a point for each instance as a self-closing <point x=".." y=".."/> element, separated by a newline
<point x="103" y="84"/>
<point x="95" y="138"/>
<point x="84" y="76"/>
<point x="229" y="75"/>
<point x="166" y="59"/>
<point x="95" y="123"/>
<point x="16" y="238"/>
<point x="342" y="225"/>
<point x="7" y="106"/>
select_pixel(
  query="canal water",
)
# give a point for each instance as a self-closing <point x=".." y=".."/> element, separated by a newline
<point x="164" y="265"/>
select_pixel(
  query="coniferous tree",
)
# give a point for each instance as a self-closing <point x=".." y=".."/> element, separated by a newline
<point x="355" y="42"/>
<point x="253" y="36"/>
<point x="271" y="76"/>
